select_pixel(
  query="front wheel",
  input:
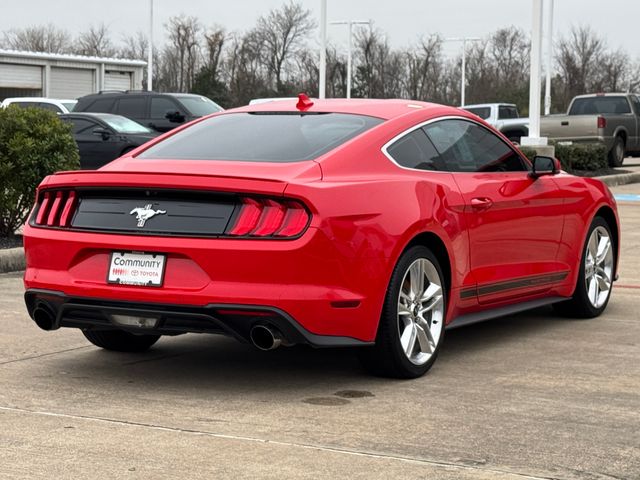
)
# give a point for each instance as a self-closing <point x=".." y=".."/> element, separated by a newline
<point x="411" y="327"/>
<point x="595" y="277"/>
<point x="120" y="341"/>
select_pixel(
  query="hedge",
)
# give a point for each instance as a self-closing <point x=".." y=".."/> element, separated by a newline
<point x="34" y="143"/>
<point x="579" y="156"/>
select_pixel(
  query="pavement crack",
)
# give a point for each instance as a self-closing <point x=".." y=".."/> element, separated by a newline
<point x="31" y="357"/>
<point x="308" y="446"/>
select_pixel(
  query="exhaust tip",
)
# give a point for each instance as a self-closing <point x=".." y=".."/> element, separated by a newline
<point x="265" y="338"/>
<point x="45" y="318"/>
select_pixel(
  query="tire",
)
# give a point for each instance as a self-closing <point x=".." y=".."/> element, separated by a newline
<point x="514" y="139"/>
<point x="617" y="152"/>
<point x="592" y="277"/>
<point x="120" y="341"/>
<point x="403" y="322"/>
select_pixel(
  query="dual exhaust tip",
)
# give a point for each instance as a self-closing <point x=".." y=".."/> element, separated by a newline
<point x="266" y="338"/>
<point x="263" y="337"/>
<point x="45" y="317"/>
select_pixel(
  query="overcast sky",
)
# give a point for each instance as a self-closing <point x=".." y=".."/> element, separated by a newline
<point x="403" y="20"/>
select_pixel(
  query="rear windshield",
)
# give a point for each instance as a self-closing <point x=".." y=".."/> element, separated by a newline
<point x="599" y="105"/>
<point x="262" y="137"/>
<point x="482" y="112"/>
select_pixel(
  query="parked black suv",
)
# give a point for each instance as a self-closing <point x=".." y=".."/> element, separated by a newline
<point x="158" y="111"/>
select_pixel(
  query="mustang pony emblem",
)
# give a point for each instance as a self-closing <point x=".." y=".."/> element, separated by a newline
<point x="144" y="214"/>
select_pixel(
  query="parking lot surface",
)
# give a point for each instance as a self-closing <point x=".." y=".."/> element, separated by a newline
<point x="527" y="396"/>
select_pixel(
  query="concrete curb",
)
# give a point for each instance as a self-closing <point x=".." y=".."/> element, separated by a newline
<point x="12" y="260"/>
<point x="621" y="179"/>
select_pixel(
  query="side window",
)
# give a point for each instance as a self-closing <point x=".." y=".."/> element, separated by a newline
<point x="50" y="106"/>
<point x="415" y="150"/>
<point x="467" y="147"/>
<point x="80" y="126"/>
<point x="505" y="112"/>
<point x="161" y="105"/>
<point x="102" y="105"/>
<point x="132" y="107"/>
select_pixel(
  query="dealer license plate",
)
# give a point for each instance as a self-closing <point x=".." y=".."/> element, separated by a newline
<point x="146" y="269"/>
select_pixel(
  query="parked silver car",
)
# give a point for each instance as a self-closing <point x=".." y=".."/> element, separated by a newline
<point x="504" y="117"/>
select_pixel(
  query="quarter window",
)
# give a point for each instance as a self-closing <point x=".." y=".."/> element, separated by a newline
<point x="467" y="147"/>
<point x="415" y="150"/>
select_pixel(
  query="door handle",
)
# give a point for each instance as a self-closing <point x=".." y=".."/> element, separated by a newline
<point x="564" y="123"/>
<point x="481" y="203"/>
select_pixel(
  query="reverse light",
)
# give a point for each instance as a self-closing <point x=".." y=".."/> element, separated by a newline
<point x="269" y="218"/>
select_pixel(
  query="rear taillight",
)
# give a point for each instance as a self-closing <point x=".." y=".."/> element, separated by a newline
<point x="55" y="208"/>
<point x="269" y="218"/>
<point x="602" y="122"/>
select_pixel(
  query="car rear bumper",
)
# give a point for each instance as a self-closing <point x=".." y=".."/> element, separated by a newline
<point x="323" y="287"/>
<point x="226" y="319"/>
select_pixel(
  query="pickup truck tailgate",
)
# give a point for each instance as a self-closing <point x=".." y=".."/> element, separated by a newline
<point x="561" y="127"/>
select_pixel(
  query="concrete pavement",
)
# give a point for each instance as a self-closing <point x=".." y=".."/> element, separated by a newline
<point x="529" y="396"/>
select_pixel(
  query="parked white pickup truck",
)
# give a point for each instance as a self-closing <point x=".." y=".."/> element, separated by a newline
<point x="612" y="119"/>
<point x="504" y="117"/>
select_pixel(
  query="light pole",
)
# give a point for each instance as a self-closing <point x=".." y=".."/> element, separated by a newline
<point x="463" y="82"/>
<point x="150" y="50"/>
<point x="322" y="84"/>
<point x="547" y="85"/>
<point x="535" y="89"/>
<point x="350" y="24"/>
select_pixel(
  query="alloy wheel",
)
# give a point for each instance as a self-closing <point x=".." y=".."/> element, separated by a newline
<point x="420" y="311"/>
<point x="598" y="268"/>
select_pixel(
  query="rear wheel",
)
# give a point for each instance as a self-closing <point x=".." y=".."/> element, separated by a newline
<point x="617" y="153"/>
<point x="412" y="322"/>
<point x="595" y="279"/>
<point x="120" y="341"/>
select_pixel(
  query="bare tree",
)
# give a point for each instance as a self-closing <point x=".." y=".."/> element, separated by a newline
<point x="214" y="42"/>
<point x="245" y="74"/>
<point x="95" y="42"/>
<point x="182" y="53"/>
<point x="282" y="33"/>
<point x="379" y="72"/>
<point x="424" y="66"/>
<point x="578" y="61"/>
<point x="38" y="38"/>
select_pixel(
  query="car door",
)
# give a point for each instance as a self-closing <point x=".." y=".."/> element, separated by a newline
<point x="514" y="221"/>
<point x="160" y="106"/>
<point x="95" y="149"/>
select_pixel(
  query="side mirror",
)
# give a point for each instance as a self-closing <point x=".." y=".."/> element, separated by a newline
<point x="544" y="166"/>
<point x="103" y="132"/>
<point x="174" y="116"/>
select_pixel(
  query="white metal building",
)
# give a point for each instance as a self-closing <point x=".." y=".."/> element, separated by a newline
<point x="34" y="74"/>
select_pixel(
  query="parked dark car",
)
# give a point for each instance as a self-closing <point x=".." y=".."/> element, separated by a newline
<point x="159" y="111"/>
<point x="102" y="137"/>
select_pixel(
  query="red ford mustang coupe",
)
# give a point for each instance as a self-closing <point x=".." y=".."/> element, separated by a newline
<point x="363" y="223"/>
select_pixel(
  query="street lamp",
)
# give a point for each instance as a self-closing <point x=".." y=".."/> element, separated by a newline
<point x="350" y="24"/>
<point x="547" y="85"/>
<point x="150" y="50"/>
<point x="463" y="82"/>
<point x="322" y="84"/>
<point x="534" y="139"/>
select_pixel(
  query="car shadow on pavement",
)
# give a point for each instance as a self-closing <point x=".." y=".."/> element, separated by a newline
<point x="208" y="362"/>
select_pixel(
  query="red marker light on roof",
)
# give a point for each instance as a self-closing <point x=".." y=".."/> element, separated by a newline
<point x="304" y="102"/>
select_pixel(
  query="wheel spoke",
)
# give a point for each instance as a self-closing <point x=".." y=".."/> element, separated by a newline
<point x="603" y="282"/>
<point x="603" y="249"/>
<point x="408" y="339"/>
<point x="426" y="345"/>
<point x="431" y="291"/>
<point x="403" y="309"/>
<point x="417" y="279"/>
<point x="593" y="291"/>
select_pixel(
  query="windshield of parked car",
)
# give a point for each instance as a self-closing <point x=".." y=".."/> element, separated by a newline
<point x="69" y="105"/>
<point x="482" y="112"/>
<point x="199" y="106"/>
<point x="263" y="137"/>
<point x="123" y="124"/>
<point x="599" y="105"/>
